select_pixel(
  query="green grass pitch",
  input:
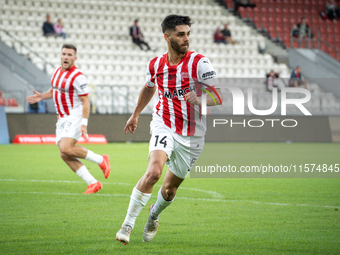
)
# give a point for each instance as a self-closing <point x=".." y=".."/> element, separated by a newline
<point x="43" y="210"/>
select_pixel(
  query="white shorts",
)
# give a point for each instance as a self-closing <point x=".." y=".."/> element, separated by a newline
<point x="69" y="126"/>
<point x="182" y="151"/>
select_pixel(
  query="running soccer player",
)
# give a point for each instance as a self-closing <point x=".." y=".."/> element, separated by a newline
<point x="177" y="126"/>
<point x="70" y="94"/>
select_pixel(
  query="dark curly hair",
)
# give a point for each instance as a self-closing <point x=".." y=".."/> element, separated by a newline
<point x="171" y="21"/>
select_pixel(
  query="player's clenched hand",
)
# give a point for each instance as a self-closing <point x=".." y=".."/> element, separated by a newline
<point x="191" y="98"/>
<point x="83" y="130"/>
<point x="37" y="97"/>
<point x="131" y="125"/>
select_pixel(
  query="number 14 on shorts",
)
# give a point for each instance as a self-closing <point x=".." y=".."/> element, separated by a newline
<point x="160" y="141"/>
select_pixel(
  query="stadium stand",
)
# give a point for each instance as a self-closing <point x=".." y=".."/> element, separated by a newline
<point x="115" y="67"/>
<point x="19" y="77"/>
<point x="278" y="17"/>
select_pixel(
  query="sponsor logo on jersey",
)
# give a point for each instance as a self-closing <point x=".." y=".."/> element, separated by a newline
<point x="61" y="90"/>
<point x="176" y="93"/>
<point x="83" y="86"/>
<point x="209" y="75"/>
<point x="184" y="75"/>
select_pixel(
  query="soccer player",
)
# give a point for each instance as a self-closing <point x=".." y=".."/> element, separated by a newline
<point x="70" y="94"/>
<point x="177" y="126"/>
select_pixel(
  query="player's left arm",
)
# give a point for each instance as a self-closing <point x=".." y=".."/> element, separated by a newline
<point x="80" y="85"/>
<point x="214" y="98"/>
<point x="86" y="113"/>
<point x="217" y="97"/>
<point x="208" y="78"/>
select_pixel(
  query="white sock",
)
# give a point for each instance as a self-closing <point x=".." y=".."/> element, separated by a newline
<point x="160" y="205"/>
<point x="93" y="157"/>
<point x="85" y="175"/>
<point x="137" y="201"/>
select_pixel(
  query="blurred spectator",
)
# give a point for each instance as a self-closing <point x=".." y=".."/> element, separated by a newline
<point x="137" y="36"/>
<point x="243" y="3"/>
<point x="227" y="35"/>
<point x="332" y="10"/>
<point x="219" y="37"/>
<point x="272" y="80"/>
<point x="48" y="28"/>
<point x="296" y="78"/>
<point x="303" y="28"/>
<point x="295" y="31"/>
<point x="39" y="107"/>
<point x="59" y="29"/>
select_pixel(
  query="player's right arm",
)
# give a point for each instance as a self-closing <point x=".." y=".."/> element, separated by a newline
<point x="144" y="98"/>
<point x="37" y="97"/>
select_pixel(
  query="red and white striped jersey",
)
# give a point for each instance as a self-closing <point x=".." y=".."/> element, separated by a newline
<point x="173" y="82"/>
<point x="67" y="87"/>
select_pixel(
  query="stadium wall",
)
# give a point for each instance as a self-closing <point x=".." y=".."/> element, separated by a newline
<point x="227" y="128"/>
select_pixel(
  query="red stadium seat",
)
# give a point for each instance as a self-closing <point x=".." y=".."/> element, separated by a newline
<point x="250" y="12"/>
<point x="286" y="22"/>
<point x="243" y="12"/>
<point x="292" y="11"/>
<point x="264" y="12"/>
<point x="321" y="2"/>
<point x="287" y="43"/>
<point x="314" y="3"/>
<point x="12" y="102"/>
<point x="324" y="36"/>
<point x="272" y="31"/>
<point x="278" y="21"/>
<point x="271" y="20"/>
<point x="257" y="10"/>
<point x="2" y="101"/>
<point x="285" y="10"/>
<point x="337" y="38"/>
<point x="299" y="12"/>
<point x="282" y="35"/>
<point x="279" y="14"/>
<point x="323" y="47"/>
<point x="258" y="22"/>
<point x="314" y="22"/>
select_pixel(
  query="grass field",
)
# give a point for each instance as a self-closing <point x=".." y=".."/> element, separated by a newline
<point x="43" y="210"/>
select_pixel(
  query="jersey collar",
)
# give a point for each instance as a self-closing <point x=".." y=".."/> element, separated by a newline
<point x="180" y="62"/>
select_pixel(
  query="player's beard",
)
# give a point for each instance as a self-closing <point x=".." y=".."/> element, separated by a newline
<point x="178" y="47"/>
<point x="69" y="64"/>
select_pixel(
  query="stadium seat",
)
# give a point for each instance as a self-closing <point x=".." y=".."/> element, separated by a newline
<point x="12" y="102"/>
<point x="2" y="101"/>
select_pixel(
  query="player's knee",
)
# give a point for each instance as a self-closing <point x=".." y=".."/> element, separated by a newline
<point x="153" y="174"/>
<point x="63" y="156"/>
<point x="153" y="177"/>
<point x="169" y="193"/>
<point x="67" y="152"/>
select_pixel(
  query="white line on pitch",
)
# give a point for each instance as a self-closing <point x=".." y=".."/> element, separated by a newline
<point x="213" y="193"/>
<point x="58" y="181"/>
<point x="185" y="198"/>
